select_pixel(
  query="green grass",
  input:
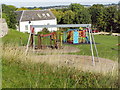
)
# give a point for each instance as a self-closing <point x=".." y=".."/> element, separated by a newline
<point x="15" y="37"/>
<point x="17" y="74"/>
<point x="104" y="47"/>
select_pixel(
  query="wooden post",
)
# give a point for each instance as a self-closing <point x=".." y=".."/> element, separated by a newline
<point x="31" y="41"/>
<point x="50" y="41"/>
<point x="39" y="42"/>
<point x="61" y="39"/>
<point x="55" y="42"/>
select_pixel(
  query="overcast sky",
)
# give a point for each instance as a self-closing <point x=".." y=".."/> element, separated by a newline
<point x="21" y="3"/>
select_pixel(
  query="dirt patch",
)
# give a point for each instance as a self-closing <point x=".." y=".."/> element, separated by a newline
<point x="75" y="61"/>
<point x="79" y="62"/>
<point x="64" y="49"/>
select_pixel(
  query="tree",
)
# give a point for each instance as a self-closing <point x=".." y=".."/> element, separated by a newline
<point x="22" y="8"/>
<point x="82" y="14"/>
<point x="82" y="17"/>
<point x="68" y="17"/>
<point x="9" y="15"/>
<point x="111" y="18"/>
<point x="97" y="12"/>
<point x="75" y="7"/>
<point x="59" y="15"/>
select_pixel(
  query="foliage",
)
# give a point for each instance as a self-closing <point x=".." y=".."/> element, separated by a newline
<point x="104" y="18"/>
<point x="59" y="15"/>
<point x="101" y="17"/>
<point x="22" y="8"/>
<point x="82" y="17"/>
<point x="75" y="7"/>
<point x="44" y="31"/>
<point x="68" y="17"/>
<point x="9" y="15"/>
<point x="75" y="14"/>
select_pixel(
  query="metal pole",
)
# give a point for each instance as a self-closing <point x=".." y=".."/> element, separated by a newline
<point x="28" y="38"/>
<point x="93" y="61"/>
<point x="33" y="41"/>
<point x="28" y="42"/>
<point x="95" y="47"/>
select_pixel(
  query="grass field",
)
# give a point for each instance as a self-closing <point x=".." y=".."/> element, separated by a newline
<point x="20" y="74"/>
<point x="105" y="45"/>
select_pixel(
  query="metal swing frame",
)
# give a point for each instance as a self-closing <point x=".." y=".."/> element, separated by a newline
<point x="65" y="26"/>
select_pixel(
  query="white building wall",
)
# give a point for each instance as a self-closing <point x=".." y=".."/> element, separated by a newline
<point x="23" y="25"/>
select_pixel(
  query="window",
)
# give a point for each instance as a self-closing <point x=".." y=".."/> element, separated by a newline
<point x="39" y="15"/>
<point x="48" y="14"/>
<point x="26" y="27"/>
<point x="43" y="14"/>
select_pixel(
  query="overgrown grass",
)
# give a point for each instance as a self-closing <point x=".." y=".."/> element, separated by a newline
<point x="20" y="72"/>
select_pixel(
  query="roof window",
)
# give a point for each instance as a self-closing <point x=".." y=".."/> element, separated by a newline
<point x="48" y="14"/>
<point x="39" y="15"/>
<point x="43" y="15"/>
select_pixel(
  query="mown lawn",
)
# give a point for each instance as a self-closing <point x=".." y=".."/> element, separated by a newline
<point x="106" y="46"/>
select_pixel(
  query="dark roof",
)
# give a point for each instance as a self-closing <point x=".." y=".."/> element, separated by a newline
<point x="19" y="13"/>
<point x="34" y="15"/>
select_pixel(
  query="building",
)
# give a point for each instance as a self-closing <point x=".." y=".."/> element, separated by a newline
<point x="26" y="18"/>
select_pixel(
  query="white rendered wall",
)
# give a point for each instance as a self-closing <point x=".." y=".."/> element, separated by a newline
<point x="41" y="22"/>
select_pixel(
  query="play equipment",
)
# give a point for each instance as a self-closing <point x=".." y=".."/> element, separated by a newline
<point x="44" y="40"/>
<point x="76" y="36"/>
<point x="53" y="42"/>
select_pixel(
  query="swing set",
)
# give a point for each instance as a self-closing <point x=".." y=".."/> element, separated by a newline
<point x="53" y="36"/>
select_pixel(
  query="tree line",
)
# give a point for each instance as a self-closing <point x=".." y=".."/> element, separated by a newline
<point x="101" y="17"/>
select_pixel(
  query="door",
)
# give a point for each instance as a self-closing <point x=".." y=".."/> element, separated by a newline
<point x="75" y="37"/>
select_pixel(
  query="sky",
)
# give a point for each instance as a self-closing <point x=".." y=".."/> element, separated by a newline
<point x="38" y="3"/>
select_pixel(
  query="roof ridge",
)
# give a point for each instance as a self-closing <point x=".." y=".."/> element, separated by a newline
<point x="21" y="16"/>
<point x="36" y="10"/>
<point x="52" y="13"/>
